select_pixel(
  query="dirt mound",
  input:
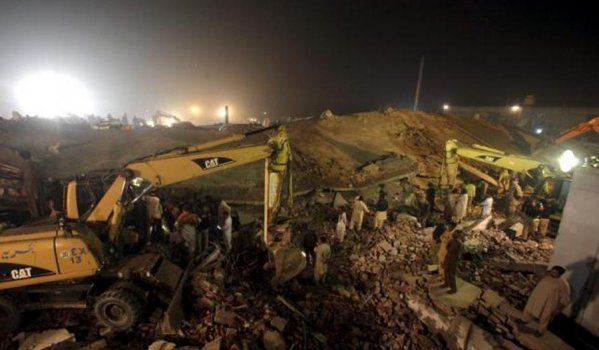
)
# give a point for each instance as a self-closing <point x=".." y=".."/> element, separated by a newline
<point x="346" y="151"/>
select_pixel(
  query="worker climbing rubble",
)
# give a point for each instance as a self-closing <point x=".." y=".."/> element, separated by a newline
<point x="341" y="227"/>
<point x="359" y="209"/>
<point x="322" y="256"/>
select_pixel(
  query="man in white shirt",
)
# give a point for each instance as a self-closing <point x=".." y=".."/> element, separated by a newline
<point x="487" y="205"/>
<point x="227" y="229"/>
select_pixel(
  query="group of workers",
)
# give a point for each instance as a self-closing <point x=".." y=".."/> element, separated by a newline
<point x="190" y="228"/>
<point x="550" y="296"/>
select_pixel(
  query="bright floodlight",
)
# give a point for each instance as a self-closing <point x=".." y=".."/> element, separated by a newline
<point x="446" y="107"/>
<point x="515" y="108"/>
<point x="194" y="110"/>
<point x="222" y="112"/>
<point x="539" y="131"/>
<point x="568" y="161"/>
<point x="50" y="94"/>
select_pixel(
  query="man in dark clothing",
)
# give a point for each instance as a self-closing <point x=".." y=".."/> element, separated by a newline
<point x="452" y="258"/>
<point x="381" y="212"/>
<point x="430" y="196"/>
<point x="309" y="240"/>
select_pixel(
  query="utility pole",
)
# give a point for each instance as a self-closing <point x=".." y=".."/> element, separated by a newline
<point x="227" y="114"/>
<point x="419" y="84"/>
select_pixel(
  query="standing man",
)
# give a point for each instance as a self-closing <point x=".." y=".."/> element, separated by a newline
<point x="186" y="223"/>
<point x="309" y="241"/>
<point x="461" y="207"/>
<point x="322" y="255"/>
<point x="452" y="258"/>
<point x="504" y="181"/>
<point x="340" y="229"/>
<point x="381" y="212"/>
<point x="357" y="215"/>
<point x="227" y="229"/>
<point x="430" y="196"/>
<point x="446" y="237"/>
<point x="550" y="297"/>
<point x="487" y="205"/>
<point x="471" y="191"/>
<point x="154" y="208"/>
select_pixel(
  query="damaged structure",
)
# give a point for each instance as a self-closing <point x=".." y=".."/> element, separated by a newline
<point x="381" y="289"/>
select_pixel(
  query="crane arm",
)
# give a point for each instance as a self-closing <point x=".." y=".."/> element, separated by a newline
<point x="582" y="128"/>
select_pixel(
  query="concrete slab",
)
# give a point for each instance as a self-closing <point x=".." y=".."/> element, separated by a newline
<point x="465" y="296"/>
<point x="527" y="337"/>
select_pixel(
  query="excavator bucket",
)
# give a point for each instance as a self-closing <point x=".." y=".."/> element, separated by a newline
<point x="289" y="262"/>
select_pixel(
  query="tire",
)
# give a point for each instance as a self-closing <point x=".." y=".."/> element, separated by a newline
<point x="10" y="315"/>
<point x="117" y="309"/>
<point x="131" y="288"/>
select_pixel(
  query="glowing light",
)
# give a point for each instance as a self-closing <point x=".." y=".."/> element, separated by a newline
<point x="567" y="161"/>
<point x="168" y="122"/>
<point x="50" y="94"/>
<point x="538" y="131"/>
<point x="446" y="107"/>
<point x="150" y="123"/>
<point x="222" y="112"/>
<point x="515" y="108"/>
<point x="195" y="110"/>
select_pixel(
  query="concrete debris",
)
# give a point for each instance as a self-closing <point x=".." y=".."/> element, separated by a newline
<point x="96" y="345"/>
<point x="279" y="323"/>
<point x="272" y="340"/>
<point x="47" y="339"/>
<point x="213" y="345"/>
<point x="162" y="345"/>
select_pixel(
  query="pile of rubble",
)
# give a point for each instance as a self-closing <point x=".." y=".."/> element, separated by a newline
<point x="363" y="303"/>
<point x="494" y="261"/>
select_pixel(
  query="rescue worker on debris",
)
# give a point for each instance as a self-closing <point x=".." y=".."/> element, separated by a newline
<point x="227" y="229"/>
<point x="446" y="237"/>
<point x="309" y="241"/>
<point x="381" y="212"/>
<point x="452" y="257"/>
<point x="461" y="207"/>
<point x="471" y="191"/>
<point x="424" y="209"/>
<point x="340" y="228"/>
<point x="548" y="208"/>
<point x="504" y="181"/>
<point x="322" y="255"/>
<point x="548" y="298"/>
<point x="487" y="205"/>
<point x="437" y="233"/>
<point x="186" y="224"/>
<point x="357" y="216"/>
<point x="481" y="190"/>
<point x="430" y="196"/>
<point x="154" y="208"/>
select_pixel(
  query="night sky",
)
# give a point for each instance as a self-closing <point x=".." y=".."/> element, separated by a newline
<point x="299" y="58"/>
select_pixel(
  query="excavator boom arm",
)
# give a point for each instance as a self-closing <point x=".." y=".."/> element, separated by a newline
<point x="582" y="128"/>
<point x="188" y="163"/>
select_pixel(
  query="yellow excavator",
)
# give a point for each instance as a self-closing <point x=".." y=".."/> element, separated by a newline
<point x="79" y="261"/>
